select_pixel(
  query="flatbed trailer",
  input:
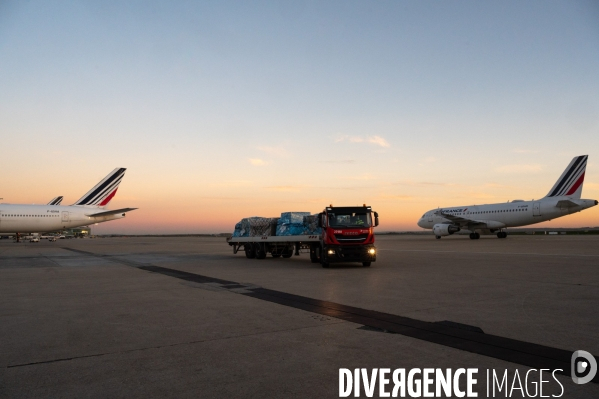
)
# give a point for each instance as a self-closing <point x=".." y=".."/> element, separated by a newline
<point x="278" y="246"/>
<point x="347" y="236"/>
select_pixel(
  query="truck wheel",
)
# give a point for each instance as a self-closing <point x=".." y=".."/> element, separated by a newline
<point x="276" y="255"/>
<point x="366" y="264"/>
<point x="325" y="264"/>
<point x="250" y="253"/>
<point x="260" y="251"/>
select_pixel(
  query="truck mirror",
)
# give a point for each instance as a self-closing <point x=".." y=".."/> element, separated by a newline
<point x="320" y="215"/>
<point x="376" y="219"/>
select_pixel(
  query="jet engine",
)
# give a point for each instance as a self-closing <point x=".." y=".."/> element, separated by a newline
<point x="441" y="229"/>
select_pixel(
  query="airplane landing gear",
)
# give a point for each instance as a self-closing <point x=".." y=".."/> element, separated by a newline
<point x="474" y="236"/>
<point x="438" y="237"/>
<point x="502" y="234"/>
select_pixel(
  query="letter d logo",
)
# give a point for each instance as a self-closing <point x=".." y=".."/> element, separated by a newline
<point x="584" y="367"/>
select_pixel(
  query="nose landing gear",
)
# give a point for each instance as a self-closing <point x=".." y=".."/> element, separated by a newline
<point x="474" y="236"/>
<point x="502" y="234"/>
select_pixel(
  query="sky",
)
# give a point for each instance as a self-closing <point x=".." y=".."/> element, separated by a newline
<point x="228" y="109"/>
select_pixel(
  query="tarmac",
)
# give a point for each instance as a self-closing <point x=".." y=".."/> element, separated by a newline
<point x="185" y="317"/>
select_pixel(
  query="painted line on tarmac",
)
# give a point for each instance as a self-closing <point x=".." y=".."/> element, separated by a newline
<point x="443" y="333"/>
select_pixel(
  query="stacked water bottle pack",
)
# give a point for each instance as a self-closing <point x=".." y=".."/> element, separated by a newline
<point x="289" y="224"/>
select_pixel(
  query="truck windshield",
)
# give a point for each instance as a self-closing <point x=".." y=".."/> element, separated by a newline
<point x="349" y="219"/>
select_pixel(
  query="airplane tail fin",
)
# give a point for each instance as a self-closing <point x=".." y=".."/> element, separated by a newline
<point x="101" y="194"/>
<point x="570" y="182"/>
<point x="55" y="201"/>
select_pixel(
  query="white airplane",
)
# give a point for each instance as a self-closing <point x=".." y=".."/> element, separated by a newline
<point x="563" y="199"/>
<point x="89" y="209"/>
<point x="55" y="201"/>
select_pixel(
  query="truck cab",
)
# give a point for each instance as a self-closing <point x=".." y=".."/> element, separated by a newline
<point x="347" y="236"/>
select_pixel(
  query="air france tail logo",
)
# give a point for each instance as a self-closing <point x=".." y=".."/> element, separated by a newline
<point x="571" y="179"/>
<point x="103" y="192"/>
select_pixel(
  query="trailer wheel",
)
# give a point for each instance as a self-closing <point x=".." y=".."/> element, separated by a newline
<point x="366" y="264"/>
<point x="250" y="253"/>
<point x="287" y="252"/>
<point x="260" y="251"/>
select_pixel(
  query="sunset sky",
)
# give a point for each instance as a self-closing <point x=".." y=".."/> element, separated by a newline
<point x="227" y="109"/>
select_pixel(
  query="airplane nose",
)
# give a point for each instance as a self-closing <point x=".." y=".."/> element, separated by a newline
<point x="420" y="223"/>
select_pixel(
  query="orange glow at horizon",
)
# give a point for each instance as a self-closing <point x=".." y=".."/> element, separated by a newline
<point x="190" y="202"/>
<point x="219" y="214"/>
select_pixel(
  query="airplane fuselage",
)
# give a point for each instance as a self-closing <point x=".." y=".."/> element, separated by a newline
<point x="20" y="218"/>
<point x="510" y="214"/>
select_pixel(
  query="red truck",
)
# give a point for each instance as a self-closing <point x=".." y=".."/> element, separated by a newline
<point x="346" y="234"/>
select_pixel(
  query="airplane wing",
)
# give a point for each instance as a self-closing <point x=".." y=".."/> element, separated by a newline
<point x="107" y="213"/>
<point x="460" y="221"/>
<point x="566" y="204"/>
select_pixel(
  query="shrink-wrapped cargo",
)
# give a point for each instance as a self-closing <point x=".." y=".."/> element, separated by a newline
<point x="237" y="231"/>
<point x="297" y="223"/>
<point x="293" y="217"/>
<point x="255" y="226"/>
<point x="290" y="229"/>
<point x="311" y="224"/>
<point x="291" y="224"/>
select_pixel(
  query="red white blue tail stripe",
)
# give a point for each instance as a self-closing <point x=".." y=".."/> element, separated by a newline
<point x="103" y="192"/>
<point x="571" y="180"/>
<point x="55" y="201"/>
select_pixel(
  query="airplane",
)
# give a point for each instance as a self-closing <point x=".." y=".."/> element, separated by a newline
<point x="89" y="209"/>
<point x="563" y="199"/>
<point x="55" y="201"/>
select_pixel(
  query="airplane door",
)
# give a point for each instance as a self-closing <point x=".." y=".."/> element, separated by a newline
<point x="536" y="209"/>
<point x="65" y="216"/>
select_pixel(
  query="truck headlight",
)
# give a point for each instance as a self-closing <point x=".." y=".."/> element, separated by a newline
<point x="331" y="252"/>
<point x="372" y="251"/>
